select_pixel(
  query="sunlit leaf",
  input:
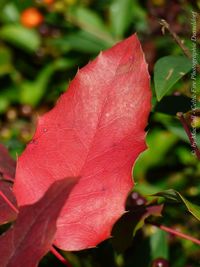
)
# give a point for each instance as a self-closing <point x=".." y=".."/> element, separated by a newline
<point x="167" y="71"/>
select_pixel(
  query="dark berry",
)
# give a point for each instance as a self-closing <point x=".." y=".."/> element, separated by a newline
<point x="160" y="262"/>
<point x="135" y="200"/>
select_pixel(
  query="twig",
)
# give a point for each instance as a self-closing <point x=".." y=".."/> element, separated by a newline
<point x="8" y="202"/>
<point x="60" y="257"/>
<point x="189" y="134"/>
<point x="186" y="51"/>
<point x="177" y="233"/>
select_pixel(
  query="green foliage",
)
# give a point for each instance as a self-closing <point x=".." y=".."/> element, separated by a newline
<point x="175" y="196"/>
<point x="5" y="60"/>
<point x="167" y="71"/>
<point x="20" y="37"/>
<point x="120" y="16"/>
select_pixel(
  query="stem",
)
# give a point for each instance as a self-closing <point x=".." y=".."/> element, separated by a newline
<point x="189" y="134"/>
<point x="177" y="233"/>
<point x="186" y="51"/>
<point x="60" y="257"/>
<point x="8" y="202"/>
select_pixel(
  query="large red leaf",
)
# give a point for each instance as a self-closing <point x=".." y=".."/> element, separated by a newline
<point x="96" y="131"/>
<point x="31" y="237"/>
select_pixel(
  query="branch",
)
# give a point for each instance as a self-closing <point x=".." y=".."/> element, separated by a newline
<point x="177" y="233"/>
<point x="60" y="257"/>
<point x="186" y="51"/>
<point x="189" y="134"/>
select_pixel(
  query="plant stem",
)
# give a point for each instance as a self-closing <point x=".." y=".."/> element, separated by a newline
<point x="8" y="202"/>
<point x="189" y="134"/>
<point x="60" y="257"/>
<point x="177" y="233"/>
<point x="186" y="51"/>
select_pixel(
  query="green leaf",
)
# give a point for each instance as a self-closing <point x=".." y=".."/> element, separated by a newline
<point x="5" y="60"/>
<point x="192" y="208"/>
<point x="167" y="71"/>
<point x="159" y="244"/>
<point x="4" y="103"/>
<point x="20" y="36"/>
<point x="84" y="42"/>
<point x="31" y="92"/>
<point x="2" y="4"/>
<point x="8" y="96"/>
<point x="120" y="16"/>
<point x="10" y="13"/>
<point x="175" y="196"/>
<point x="89" y="21"/>
<point x="158" y="142"/>
<point x="174" y="126"/>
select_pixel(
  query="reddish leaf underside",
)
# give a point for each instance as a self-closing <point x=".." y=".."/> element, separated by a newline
<point x="7" y="164"/>
<point x="7" y="172"/>
<point x="7" y="213"/>
<point x="32" y="235"/>
<point x="96" y="131"/>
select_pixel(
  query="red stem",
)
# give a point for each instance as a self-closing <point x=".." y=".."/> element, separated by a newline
<point x="8" y="202"/>
<point x="177" y="233"/>
<point x="189" y="134"/>
<point x="60" y="257"/>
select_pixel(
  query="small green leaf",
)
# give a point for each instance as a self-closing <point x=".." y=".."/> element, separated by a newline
<point x="175" y="196"/>
<point x="170" y="195"/>
<point x="168" y="70"/>
<point x="192" y="208"/>
<point x="20" y="36"/>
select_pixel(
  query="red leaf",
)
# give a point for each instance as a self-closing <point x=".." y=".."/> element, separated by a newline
<point x="96" y="131"/>
<point x="33" y="233"/>
<point x="7" y="198"/>
<point x="7" y="213"/>
<point x="7" y="164"/>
